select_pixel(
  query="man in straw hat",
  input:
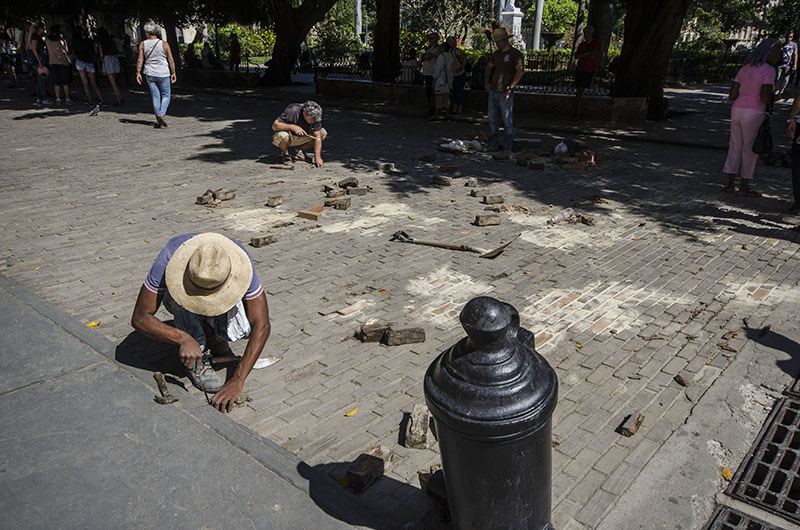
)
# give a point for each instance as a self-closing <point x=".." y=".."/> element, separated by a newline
<point x="209" y="284"/>
<point x="502" y="75"/>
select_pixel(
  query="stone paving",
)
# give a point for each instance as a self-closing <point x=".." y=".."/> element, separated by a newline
<point x="618" y="308"/>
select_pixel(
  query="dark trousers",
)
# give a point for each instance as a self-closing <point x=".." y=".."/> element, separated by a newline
<point x="429" y="89"/>
<point x="796" y="166"/>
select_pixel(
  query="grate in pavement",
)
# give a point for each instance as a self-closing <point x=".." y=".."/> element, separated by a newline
<point x="725" y="518"/>
<point x="795" y="390"/>
<point x="769" y="476"/>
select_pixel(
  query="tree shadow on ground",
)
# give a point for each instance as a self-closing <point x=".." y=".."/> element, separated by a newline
<point x="370" y="508"/>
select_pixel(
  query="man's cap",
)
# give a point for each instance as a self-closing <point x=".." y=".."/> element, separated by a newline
<point x="208" y="274"/>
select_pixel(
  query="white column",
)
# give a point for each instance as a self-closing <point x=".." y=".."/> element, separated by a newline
<point x="537" y="25"/>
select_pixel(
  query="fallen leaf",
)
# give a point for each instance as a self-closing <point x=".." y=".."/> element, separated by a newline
<point x="302" y="329"/>
<point x="579" y="346"/>
<point x="724" y="346"/>
<point x="209" y="177"/>
<point x="36" y="268"/>
<point x="555" y="444"/>
<point x="726" y="474"/>
<point x="465" y="233"/>
<point x="526" y="272"/>
<point x="634" y="239"/>
<point x="93" y="324"/>
<point x="115" y="292"/>
<point x="543" y="288"/>
<point x="359" y="260"/>
<point x="351" y="412"/>
<point x="410" y="218"/>
<point x="383" y="291"/>
<point x="251" y="164"/>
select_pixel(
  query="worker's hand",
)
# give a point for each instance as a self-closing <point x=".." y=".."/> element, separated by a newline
<point x="139" y="78"/>
<point x="790" y="128"/>
<point x="224" y="399"/>
<point x="298" y="131"/>
<point x="318" y="160"/>
<point x="508" y="92"/>
<point x="190" y="353"/>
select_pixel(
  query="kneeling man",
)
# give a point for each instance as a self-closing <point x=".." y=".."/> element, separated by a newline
<point x="209" y="284"/>
<point x="300" y="125"/>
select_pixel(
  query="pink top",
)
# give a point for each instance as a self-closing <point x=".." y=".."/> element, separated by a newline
<point x="750" y="79"/>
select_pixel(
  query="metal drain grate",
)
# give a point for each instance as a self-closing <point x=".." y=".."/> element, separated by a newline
<point x="769" y="476"/>
<point x="795" y="390"/>
<point x="725" y="518"/>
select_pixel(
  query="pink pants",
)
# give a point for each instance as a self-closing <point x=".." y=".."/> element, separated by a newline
<point x="744" y="128"/>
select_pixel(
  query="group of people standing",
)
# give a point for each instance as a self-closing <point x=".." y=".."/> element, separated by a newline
<point x="52" y="60"/>
<point x="444" y="71"/>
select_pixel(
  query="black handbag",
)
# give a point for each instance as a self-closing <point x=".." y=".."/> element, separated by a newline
<point x="762" y="145"/>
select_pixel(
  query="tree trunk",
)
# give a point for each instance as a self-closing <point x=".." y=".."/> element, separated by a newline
<point x="358" y="20"/>
<point x="292" y="28"/>
<point x="386" y="58"/>
<point x="172" y="40"/>
<point x="651" y="29"/>
<point x="602" y="16"/>
<point x="580" y="23"/>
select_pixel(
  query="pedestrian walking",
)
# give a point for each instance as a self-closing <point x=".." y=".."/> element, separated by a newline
<point x="60" y="64"/>
<point x="85" y="57"/>
<point x="443" y="82"/>
<point x="587" y="55"/>
<point x="156" y="64"/>
<point x="786" y="65"/>
<point x="751" y="93"/>
<point x="108" y="52"/>
<point x="429" y="68"/>
<point x="459" y="75"/>
<point x="37" y="58"/>
<point x="502" y="74"/>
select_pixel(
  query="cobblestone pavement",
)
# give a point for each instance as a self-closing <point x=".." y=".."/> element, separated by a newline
<point x="618" y="308"/>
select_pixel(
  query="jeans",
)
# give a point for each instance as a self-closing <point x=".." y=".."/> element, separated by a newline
<point x="160" y="92"/>
<point x="230" y="326"/>
<point x="41" y="85"/>
<point x="782" y="79"/>
<point x="501" y="108"/>
<point x="796" y="166"/>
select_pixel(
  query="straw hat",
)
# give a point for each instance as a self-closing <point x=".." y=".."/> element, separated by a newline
<point x="208" y="274"/>
<point x="500" y="34"/>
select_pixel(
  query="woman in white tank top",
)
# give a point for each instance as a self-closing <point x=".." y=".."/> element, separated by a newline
<point x="159" y="70"/>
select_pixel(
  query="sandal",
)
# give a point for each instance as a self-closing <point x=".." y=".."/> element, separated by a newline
<point x="749" y="193"/>
<point x="286" y="159"/>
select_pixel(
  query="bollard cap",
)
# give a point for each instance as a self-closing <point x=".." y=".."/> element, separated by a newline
<point x="491" y="384"/>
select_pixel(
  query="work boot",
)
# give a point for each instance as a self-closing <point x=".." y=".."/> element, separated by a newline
<point x="206" y="379"/>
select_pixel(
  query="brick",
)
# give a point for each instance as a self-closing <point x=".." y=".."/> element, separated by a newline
<point x="397" y="337"/>
<point x="313" y="213"/>
<point x="441" y="180"/>
<point x="478" y="192"/>
<point x="486" y="220"/>
<point x="339" y="204"/>
<point x="274" y="201"/>
<point x="359" y="190"/>
<point x="263" y="241"/>
<point x="493" y="199"/>
<point x="349" y="182"/>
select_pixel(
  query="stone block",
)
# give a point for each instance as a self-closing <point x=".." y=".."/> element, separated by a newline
<point x="349" y="182"/>
<point x="493" y="199"/>
<point x="632" y="424"/>
<point x="335" y="193"/>
<point x="274" y="201"/>
<point x="487" y="220"/>
<point x="262" y="241"/>
<point x="396" y="337"/>
<point x="339" y="204"/>
<point x="441" y="180"/>
<point x="367" y="468"/>
<point x="478" y="192"/>
<point x="372" y="332"/>
<point x="472" y="182"/>
<point x="417" y="428"/>
<point x="314" y="213"/>
<point x="357" y="190"/>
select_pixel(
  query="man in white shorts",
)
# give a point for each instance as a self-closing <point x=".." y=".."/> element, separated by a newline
<point x="300" y="125"/>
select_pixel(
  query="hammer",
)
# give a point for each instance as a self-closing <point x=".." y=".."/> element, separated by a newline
<point x="165" y="398"/>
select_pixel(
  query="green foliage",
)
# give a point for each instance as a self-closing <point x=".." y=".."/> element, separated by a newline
<point x="333" y="41"/>
<point x="783" y="16"/>
<point x="254" y="41"/>
<point x="412" y="41"/>
<point x="727" y="15"/>
<point x="557" y="15"/>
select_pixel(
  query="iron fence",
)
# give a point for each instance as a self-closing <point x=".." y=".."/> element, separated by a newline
<point x="555" y="73"/>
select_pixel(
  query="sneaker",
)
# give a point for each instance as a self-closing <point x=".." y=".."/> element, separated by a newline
<point x="58" y="101"/>
<point x="68" y="101"/>
<point x="206" y="379"/>
<point x="95" y="111"/>
<point x="161" y="120"/>
<point x="46" y="102"/>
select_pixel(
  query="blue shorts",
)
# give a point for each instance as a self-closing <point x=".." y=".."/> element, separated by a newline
<point x="83" y="65"/>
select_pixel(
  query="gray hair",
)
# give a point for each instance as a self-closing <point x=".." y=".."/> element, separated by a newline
<point x="152" y="29"/>
<point x="313" y="110"/>
<point x="761" y="52"/>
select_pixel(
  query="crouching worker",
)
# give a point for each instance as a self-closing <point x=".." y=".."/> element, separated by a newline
<point x="300" y="126"/>
<point x="209" y="284"/>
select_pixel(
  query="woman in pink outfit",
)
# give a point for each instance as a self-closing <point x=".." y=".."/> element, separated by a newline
<point x="751" y="93"/>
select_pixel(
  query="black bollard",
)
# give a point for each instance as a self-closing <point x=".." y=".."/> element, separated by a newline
<point x="492" y="398"/>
